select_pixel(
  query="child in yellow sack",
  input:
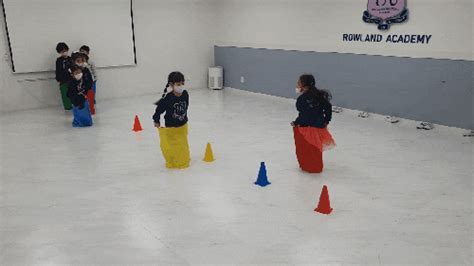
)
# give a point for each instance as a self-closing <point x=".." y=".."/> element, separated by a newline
<point x="174" y="136"/>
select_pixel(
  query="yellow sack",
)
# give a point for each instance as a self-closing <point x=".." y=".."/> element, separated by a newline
<point x="175" y="147"/>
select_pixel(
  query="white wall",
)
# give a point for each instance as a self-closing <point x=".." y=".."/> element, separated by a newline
<point x="170" y="35"/>
<point x="42" y="16"/>
<point x="180" y="34"/>
<point x="318" y="25"/>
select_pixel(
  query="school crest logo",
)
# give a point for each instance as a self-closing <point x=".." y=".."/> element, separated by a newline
<point x="384" y="13"/>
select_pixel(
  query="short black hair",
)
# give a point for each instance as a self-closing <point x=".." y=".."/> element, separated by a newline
<point x="85" y="48"/>
<point x="75" y="68"/>
<point x="60" y="47"/>
<point x="77" y="55"/>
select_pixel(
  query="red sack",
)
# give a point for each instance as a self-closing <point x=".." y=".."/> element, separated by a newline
<point x="91" y="98"/>
<point x="310" y="143"/>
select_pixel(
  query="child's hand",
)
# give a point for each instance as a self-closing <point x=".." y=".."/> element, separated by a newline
<point x="293" y="124"/>
<point x="157" y="125"/>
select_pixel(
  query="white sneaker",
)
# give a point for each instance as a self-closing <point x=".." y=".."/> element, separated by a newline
<point x="470" y="134"/>
<point x="336" y="109"/>
<point x="363" y="115"/>
<point x="392" y="119"/>
<point x="425" y="126"/>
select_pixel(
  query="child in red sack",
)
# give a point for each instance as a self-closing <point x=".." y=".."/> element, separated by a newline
<point x="310" y="127"/>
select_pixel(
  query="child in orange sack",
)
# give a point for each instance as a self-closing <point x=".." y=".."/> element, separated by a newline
<point x="310" y="127"/>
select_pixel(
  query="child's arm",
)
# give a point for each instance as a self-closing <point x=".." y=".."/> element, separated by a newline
<point x="160" y="108"/>
<point x="187" y="99"/>
<point x="87" y="79"/>
<point x="58" y="66"/>
<point x="93" y="71"/>
<point x="327" y="112"/>
<point x="69" y="89"/>
<point x="300" y="106"/>
<point x="74" y="95"/>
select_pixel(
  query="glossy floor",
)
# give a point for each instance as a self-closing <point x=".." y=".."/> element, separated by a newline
<point x="101" y="195"/>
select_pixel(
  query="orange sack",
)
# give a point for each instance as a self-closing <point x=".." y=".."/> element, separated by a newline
<point x="91" y="98"/>
<point x="310" y="143"/>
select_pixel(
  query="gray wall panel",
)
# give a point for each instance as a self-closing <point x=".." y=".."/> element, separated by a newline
<point x="435" y="90"/>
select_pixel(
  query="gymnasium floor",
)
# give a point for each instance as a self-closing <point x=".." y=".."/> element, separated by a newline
<point x="101" y="195"/>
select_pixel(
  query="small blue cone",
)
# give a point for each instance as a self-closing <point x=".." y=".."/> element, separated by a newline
<point x="262" y="179"/>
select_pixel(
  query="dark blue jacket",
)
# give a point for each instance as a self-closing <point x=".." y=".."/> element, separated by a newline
<point x="62" y="69"/>
<point x="176" y="109"/>
<point x="313" y="111"/>
<point x="77" y="91"/>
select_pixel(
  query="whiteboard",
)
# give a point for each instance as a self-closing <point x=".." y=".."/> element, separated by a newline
<point x="34" y="27"/>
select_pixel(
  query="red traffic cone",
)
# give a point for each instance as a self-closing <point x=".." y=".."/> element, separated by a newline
<point x="137" y="126"/>
<point x="324" y="205"/>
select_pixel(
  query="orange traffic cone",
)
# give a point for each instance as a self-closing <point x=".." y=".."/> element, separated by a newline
<point x="137" y="126"/>
<point x="324" y="205"/>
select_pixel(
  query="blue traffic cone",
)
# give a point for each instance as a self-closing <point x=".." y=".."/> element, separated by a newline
<point x="262" y="179"/>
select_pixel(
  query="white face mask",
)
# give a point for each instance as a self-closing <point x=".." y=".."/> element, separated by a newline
<point x="298" y="90"/>
<point x="179" y="89"/>
<point x="78" y="76"/>
<point x="64" y="54"/>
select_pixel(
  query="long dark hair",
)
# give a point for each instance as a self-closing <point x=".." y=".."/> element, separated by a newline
<point x="173" y="77"/>
<point x="307" y="80"/>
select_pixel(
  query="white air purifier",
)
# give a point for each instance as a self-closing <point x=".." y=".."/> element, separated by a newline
<point x="216" y="78"/>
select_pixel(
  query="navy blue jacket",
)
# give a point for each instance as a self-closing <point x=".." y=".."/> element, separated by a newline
<point x="313" y="112"/>
<point x="77" y="91"/>
<point x="176" y="109"/>
<point x="88" y="79"/>
<point x="62" y="69"/>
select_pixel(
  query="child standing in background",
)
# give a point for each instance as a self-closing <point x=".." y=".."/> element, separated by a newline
<point x="174" y="138"/>
<point x="80" y="60"/>
<point x="310" y="128"/>
<point x="91" y="65"/>
<point x="78" y="94"/>
<point x="63" y="63"/>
